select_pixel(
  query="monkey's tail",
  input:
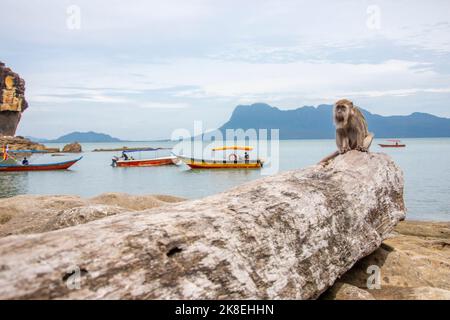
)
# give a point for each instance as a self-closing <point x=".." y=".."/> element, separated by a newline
<point x="368" y="140"/>
<point x="329" y="157"/>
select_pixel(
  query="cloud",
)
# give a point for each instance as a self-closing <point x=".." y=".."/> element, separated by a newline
<point x="97" y="98"/>
<point x="398" y="92"/>
<point x="162" y="105"/>
<point x="153" y="59"/>
<point x="190" y="83"/>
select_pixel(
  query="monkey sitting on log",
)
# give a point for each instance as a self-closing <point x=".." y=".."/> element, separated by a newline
<point x="351" y="129"/>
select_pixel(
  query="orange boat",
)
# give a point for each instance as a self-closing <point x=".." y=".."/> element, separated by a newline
<point x="393" y="144"/>
<point x="129" y="161"/>
<point x="37" y="167"/>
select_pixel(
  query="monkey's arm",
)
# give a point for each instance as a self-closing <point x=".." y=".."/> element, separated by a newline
<point x="342" y="141"/>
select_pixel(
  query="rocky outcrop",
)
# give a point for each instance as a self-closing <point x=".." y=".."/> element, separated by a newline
<point x="288" y="236"/>
<point x="413" y="264"/>
<point x="74" y="147"/>
<point x="27" y="214"/>
<point x="12" y="100"/>
<point x="80" y="215"/>
<point x="344" y="291"/>
<point x="21" y="143"/>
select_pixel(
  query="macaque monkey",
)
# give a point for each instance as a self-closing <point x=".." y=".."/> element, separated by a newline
<point x="351" y="129"/>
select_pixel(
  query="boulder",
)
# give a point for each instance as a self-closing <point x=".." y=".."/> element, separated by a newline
<point x="20" y="143"/>
<point x="31" y="214"/>
<point x="12" y="100"/>
<point x="74" y="147"/>
<point x="414" y="264"/>
<point x="27" y="214"/>
<point x="80" y="215"/>
<point x="288" y="236"/>
<point x="52" y="150"/>
<point x="134" y="202"/>
<point x="345" y="291"/>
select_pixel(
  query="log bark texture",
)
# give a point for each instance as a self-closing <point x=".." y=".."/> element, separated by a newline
<point x="288" y="236"/>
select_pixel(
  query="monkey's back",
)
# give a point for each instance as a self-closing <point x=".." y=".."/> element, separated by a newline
<point x="359" y="117"/>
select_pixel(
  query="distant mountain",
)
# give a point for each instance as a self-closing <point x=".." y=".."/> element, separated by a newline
<point x="34" y="139"/>
<point x="316" y="123"/>
<point x="85" y="137"/>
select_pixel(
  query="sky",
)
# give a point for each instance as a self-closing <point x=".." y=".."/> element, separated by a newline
<point x="141" y="69"/>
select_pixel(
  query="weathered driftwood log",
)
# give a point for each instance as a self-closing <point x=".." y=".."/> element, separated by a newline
<point x="288" y="236"/>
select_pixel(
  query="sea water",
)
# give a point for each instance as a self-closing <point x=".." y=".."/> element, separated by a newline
<point x="425" y="163"/>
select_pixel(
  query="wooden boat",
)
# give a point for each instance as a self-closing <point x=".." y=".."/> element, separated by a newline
<point x="224" y="148"/>
<point x="393" y="144"/>
<point x="233" y="161"/>
<point x="128" y="161"/>
<point x="221" y="164"/>
<point x="9" y="166"/>
<point x="161" y="161"/>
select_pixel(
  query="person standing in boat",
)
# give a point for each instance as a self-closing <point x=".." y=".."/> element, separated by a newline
<point x="124" y="155"/>
<point x="25" y="161"/>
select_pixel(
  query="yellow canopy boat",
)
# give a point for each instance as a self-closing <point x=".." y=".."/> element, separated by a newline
<point x="232" y="148"/>
<point x="233" y="161"/>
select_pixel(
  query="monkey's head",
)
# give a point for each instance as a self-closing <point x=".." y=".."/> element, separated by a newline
<point x="343" y="109"/>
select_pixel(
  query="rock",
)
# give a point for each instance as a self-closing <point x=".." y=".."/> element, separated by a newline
<point x="414" y="264"/>
<point x="345" y="291"/>
<point x="288" y="236"/>
<point x="139" y="202"/>
<point x="20" y="143"/>
<point x="30" y="214"/>
<point x="424" y="230"/>
<point x="419" y="293"/>
<point x="52" y="150"/>
<point x="12" y="105"/>
<point x="12" y="100"/>
<point x="80" y="215"/>
<point x="34" y="214"/>
<point x="74" y="147"/>
<point x="4" y="217"/>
